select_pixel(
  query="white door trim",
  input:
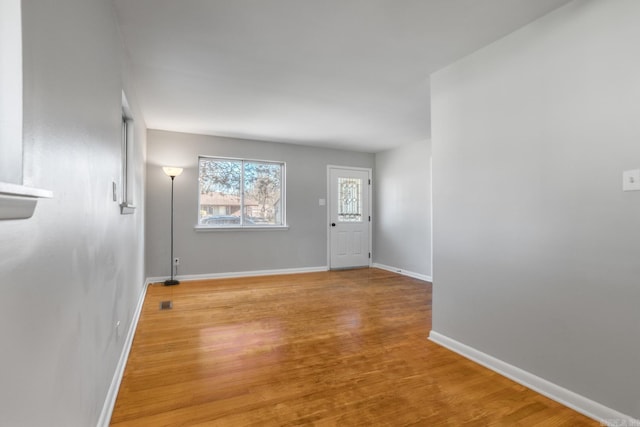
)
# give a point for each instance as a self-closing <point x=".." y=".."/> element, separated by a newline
<point x="328" y="218"/>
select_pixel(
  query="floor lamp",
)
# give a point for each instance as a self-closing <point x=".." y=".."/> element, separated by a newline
<point x="171" y="173"/>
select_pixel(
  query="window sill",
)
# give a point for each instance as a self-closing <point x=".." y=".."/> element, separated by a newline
<point x="127" y="209"/>
<point x="18" y="201"/>
<point x="205" y="228"/>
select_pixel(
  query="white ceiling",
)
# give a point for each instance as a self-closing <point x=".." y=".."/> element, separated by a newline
<point x="350" y="74"/>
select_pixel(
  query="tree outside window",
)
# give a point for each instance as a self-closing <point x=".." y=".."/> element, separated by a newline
<point x="240" y="193"/>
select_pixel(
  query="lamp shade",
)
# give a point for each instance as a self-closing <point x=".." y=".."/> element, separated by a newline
<point x="171" y="171"/>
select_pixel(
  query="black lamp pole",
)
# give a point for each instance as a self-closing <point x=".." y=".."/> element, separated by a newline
<point x="171" y="281"/>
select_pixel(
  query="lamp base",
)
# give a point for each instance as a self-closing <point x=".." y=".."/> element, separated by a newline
<point x="171" y="282"/>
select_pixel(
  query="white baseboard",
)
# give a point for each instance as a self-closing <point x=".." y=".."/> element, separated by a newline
<point x="188" y="277"/>
<point x="579" y="403"/>
<point x="112" y="394"/>
<point x="403" y="272"/>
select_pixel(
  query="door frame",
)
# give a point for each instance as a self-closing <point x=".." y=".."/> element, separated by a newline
<point x="328" y="202"/>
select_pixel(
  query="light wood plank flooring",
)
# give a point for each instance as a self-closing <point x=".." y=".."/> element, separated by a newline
<point x="335" y="348"/>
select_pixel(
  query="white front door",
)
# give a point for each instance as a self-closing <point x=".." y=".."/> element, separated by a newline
<point x="349" y="220"/>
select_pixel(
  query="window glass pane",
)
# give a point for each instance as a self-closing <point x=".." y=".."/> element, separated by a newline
<point x="241" y="193"/>
<point x="262" y="193"/>
<point x="349" y="200"/>
<point x="220" y="196"/>
<point x="125" y="160"/>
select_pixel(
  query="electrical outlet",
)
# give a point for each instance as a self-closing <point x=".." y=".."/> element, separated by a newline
<point x="176" y="261"/>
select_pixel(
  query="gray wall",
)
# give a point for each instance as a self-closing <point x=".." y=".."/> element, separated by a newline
<point x="75" y="268"/>
<point x="303" y="245"/>
<point x="402" y="220"/>
<point x="536" y="248"/>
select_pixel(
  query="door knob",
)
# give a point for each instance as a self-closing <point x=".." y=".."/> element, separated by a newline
<point x="333" y="224"/>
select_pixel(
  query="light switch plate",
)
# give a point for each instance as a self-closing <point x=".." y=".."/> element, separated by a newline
<point x="631" y="180"/>
<point x="322" y="202"/>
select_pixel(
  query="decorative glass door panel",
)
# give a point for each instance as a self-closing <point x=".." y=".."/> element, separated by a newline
<point x="349" y="199"/>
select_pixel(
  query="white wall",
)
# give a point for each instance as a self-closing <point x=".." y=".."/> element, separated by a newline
<point x="402" y="218"/>
<point x="303" y="245"/>
<point x="536" y="248"/>
<point x="75" y="268"/>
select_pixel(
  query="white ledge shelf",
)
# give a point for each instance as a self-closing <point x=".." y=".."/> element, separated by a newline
<point x="127" y="209"/>
<point x="18" y="201"/>
<point x="206" y="229"/>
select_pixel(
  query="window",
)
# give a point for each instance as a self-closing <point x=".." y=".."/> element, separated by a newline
<point x="16" y="200"/>
<point x="241" y="193"/>
<point x="10" y="92"/>
<point x="126" y="201"/>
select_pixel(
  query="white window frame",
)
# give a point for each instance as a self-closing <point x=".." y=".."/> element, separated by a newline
<point x="17" y="201"/>
<point x="127" y="142"/>
<point x="283" y="196"/>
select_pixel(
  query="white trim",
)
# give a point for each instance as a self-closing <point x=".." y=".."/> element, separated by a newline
<point x="209" y="228"/>
<point x="349" y="168"/>
<point x="579" y="403"/>
<point x="232" y="274"/>
<point x="431" y="209"/>
<point x="328" y="217"/>
<point x="403" y="272"/>
<point x="24" y="191"/>
<point x="112" y="394"/>
<point x="14" y="207"/>
<point x="18" y="201"/>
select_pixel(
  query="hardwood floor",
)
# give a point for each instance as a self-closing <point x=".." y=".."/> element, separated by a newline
<point x="336" y="348"/>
